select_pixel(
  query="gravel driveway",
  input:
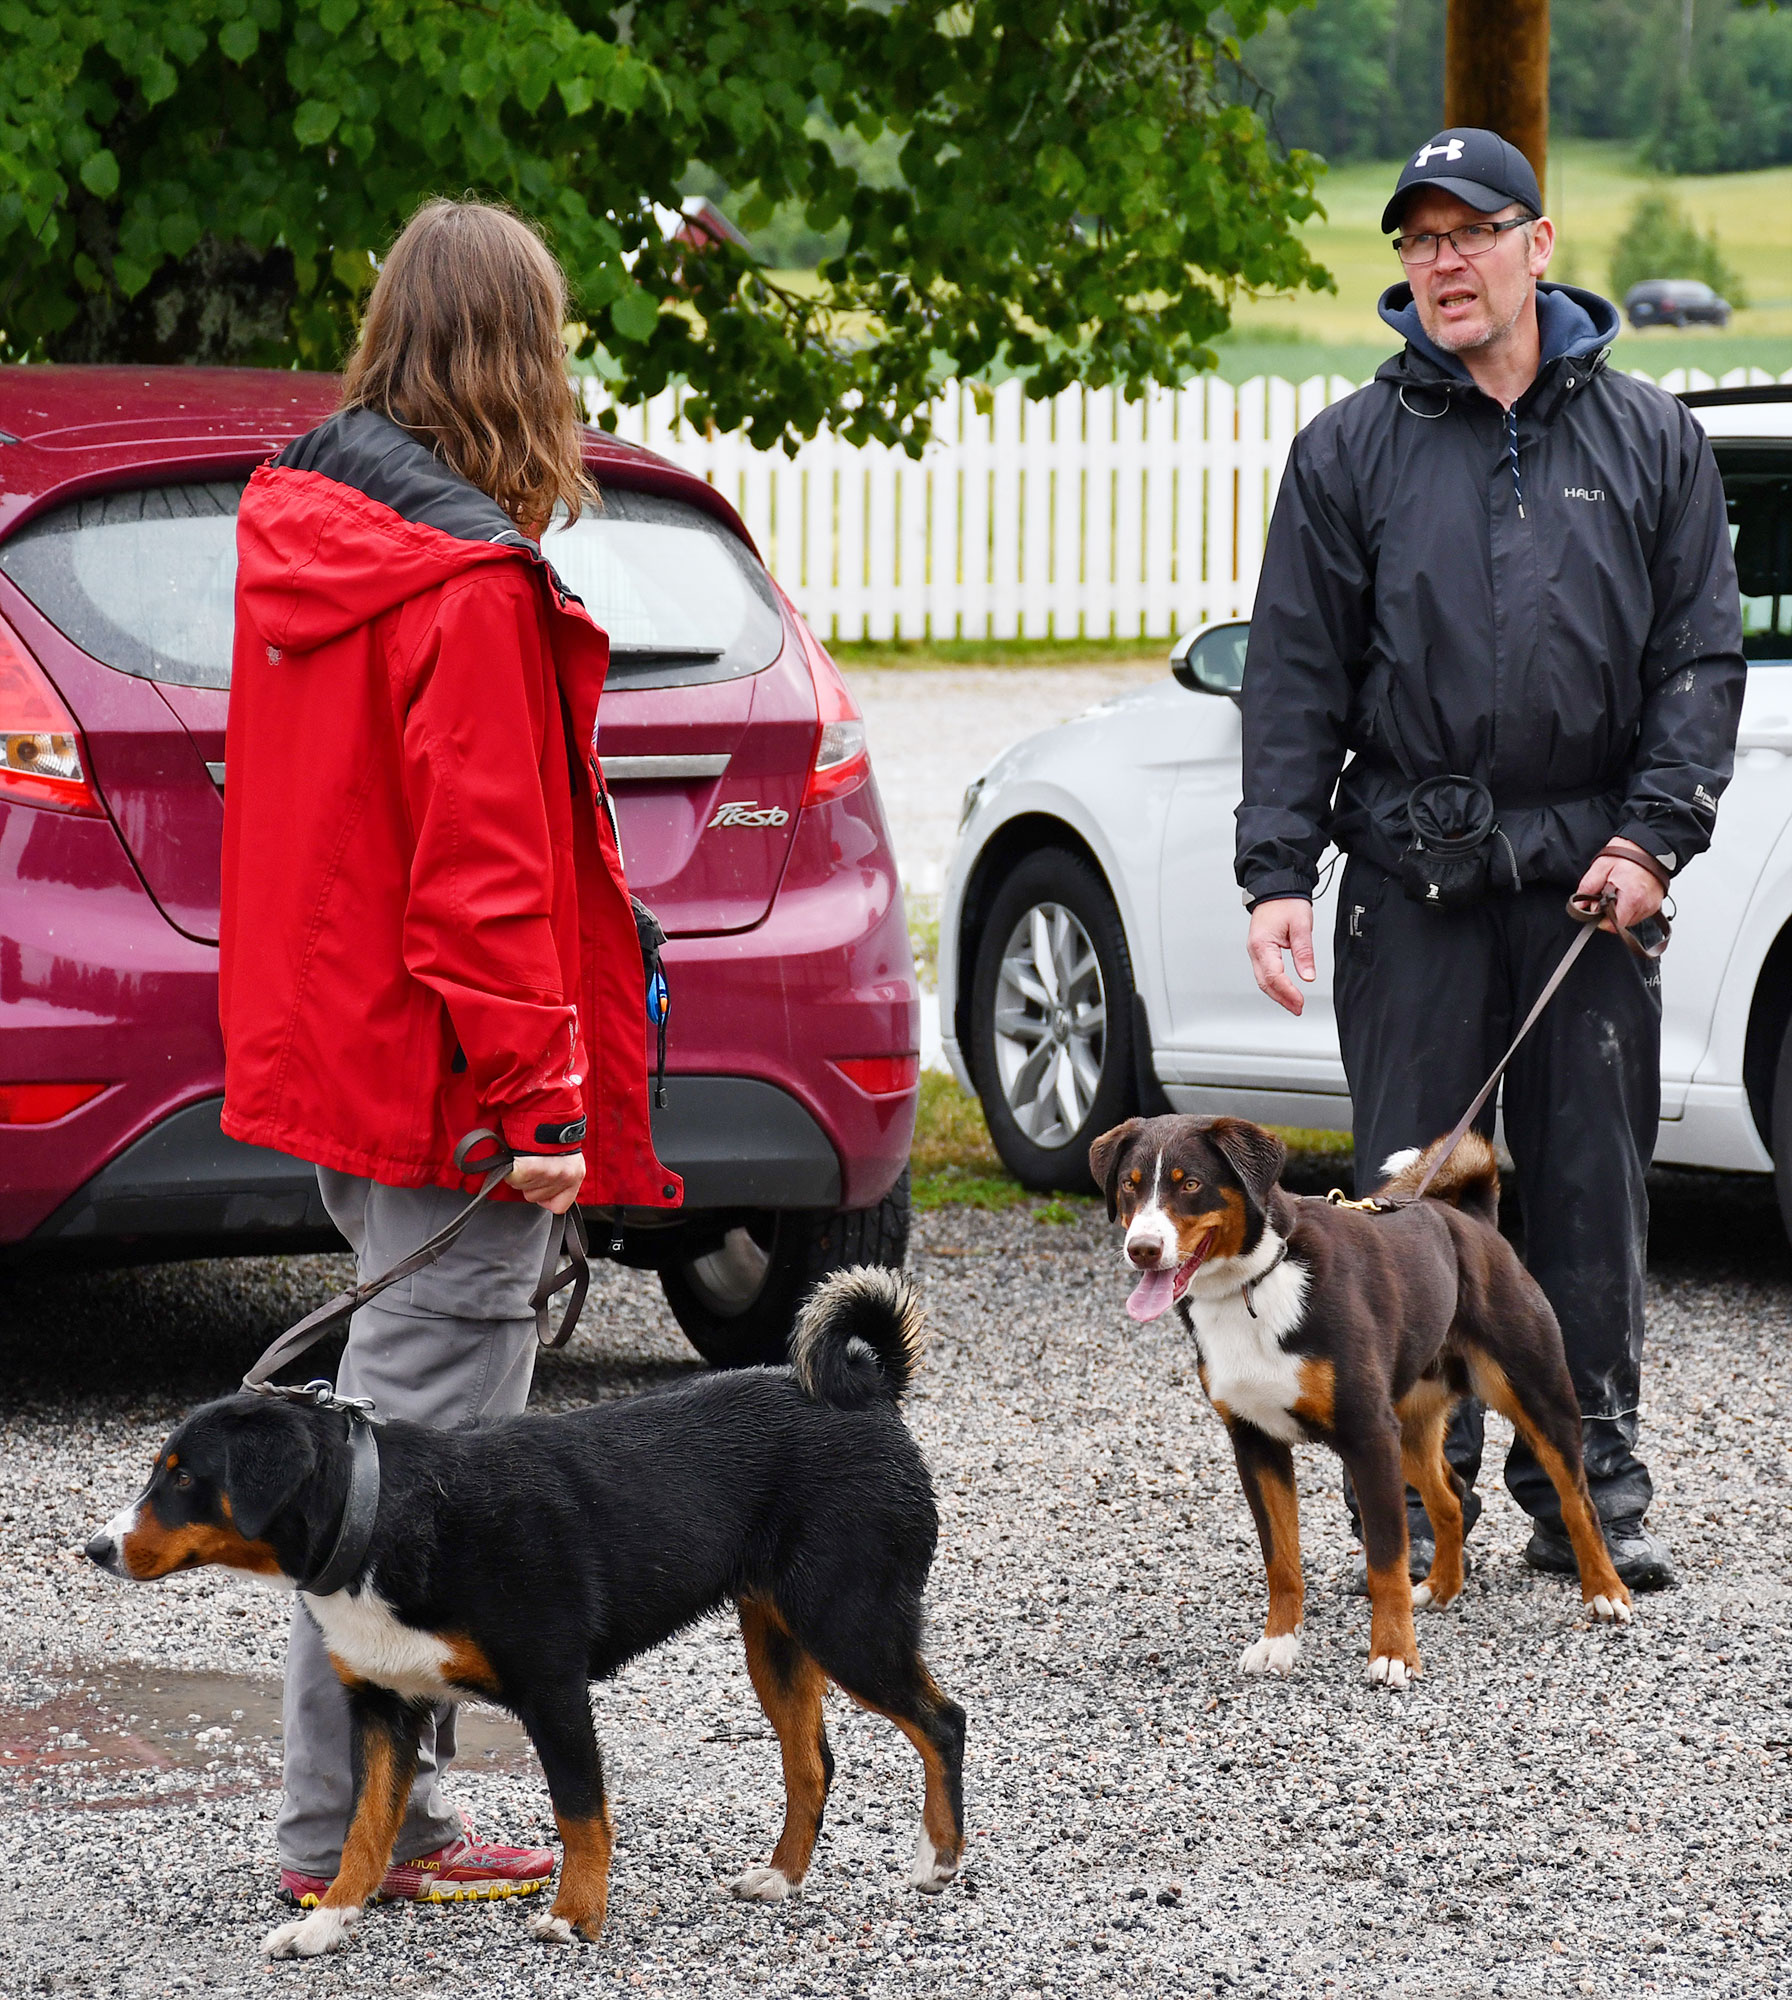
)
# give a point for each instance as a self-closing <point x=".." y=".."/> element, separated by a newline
<point x="932" y="729"/>
<point x="1555" y="1809"/>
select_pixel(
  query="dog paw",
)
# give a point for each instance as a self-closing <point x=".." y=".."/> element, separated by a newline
<point x="313" y="1935"/>
<point x="551" y="1929"/>
<point x="1389" y="1670"/>
<point x="930" y="1872"/>
<point x="1271" y="1656"/>
<point x="1429" y="1596"/>
<point x="761" y="1885"/>
<point x="1610" y="1610"/>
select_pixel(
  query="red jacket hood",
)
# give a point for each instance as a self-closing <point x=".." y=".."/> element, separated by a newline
<point x="349" y="521"/>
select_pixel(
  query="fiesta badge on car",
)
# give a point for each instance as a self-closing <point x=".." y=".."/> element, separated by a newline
<point x="749" y="812"/>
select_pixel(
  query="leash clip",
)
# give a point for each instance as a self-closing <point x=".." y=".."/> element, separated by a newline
<point x="321" y="1395"/>
<point x="1371" y="1204"/>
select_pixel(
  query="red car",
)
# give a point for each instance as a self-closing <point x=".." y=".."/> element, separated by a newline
<point x="749" y="820"/>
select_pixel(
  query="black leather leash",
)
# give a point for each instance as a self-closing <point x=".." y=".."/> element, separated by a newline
<point x="1587" y="911"/>
<point x="482" y="1151"/>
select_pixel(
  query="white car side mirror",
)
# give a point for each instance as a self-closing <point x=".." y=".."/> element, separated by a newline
<point x="1210" y="660"/>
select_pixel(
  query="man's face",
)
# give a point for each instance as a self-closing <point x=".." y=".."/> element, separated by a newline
<point x="1471" y="302"/>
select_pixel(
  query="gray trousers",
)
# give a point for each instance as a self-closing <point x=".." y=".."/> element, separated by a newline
<point x="442" y="1347"/>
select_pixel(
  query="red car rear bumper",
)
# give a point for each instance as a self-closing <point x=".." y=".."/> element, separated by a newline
<point x="97" y="986"/>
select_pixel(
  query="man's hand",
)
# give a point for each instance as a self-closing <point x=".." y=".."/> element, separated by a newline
<point x="1639" y="894"/>
<point x="550" y="1180"/>
<point x="1284" y="924"/>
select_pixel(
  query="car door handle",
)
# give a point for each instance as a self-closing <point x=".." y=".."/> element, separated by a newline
<point x="1765" y="739"/>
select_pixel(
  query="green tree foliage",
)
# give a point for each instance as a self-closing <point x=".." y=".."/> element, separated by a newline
<point x="1661" y="240"/>
<point x="1363" y="79"/>
<point x="1717" y="99"/>
<point x="1077" y="191"/>
<point x="1352" y="79"/>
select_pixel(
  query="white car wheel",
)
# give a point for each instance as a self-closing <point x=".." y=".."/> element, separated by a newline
<point x="1051" y="1019"/>
<point x="1050" y="1025"/>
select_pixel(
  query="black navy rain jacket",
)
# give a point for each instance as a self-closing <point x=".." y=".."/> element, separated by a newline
<point x="1544" y="599"/>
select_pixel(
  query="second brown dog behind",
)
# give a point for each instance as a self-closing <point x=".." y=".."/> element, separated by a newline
<point x="1358" y="1330"/>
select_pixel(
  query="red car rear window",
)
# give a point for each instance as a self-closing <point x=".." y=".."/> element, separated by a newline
<point x="145" y="580"/>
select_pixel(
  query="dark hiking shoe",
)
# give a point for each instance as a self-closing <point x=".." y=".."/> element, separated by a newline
<point x="1640" y="1558"/>
<point x="1421" y="1550"/>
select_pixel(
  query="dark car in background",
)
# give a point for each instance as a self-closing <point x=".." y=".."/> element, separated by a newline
<point x="1675" y="302"/>
<point x="748" y="817"/>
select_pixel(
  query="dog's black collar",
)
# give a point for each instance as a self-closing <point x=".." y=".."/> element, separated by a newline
<point x="356" y="1531"/>
<point x="1251" y="1284"/>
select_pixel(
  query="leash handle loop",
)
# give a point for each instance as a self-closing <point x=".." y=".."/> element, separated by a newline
<point x="568" y="1238"/>
<point x="1598" y="909"/>
<point x="470" y="1158"/>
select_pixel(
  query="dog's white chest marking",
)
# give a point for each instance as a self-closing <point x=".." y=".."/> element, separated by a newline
<point x="364" y="1634"/>
<point x="1248" y="1369"/>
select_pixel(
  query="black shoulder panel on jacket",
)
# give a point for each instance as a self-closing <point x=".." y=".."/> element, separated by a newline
<point x="362" y="449"/>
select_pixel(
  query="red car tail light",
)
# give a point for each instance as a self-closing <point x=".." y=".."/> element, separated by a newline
<point x="881" y="1076"/>
<point x="40" y="749"/>
<point x="842" y="762"/>
<point x="43" y="1103"/>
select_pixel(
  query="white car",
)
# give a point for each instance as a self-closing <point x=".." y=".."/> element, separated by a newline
<point x="1092" y="936"/>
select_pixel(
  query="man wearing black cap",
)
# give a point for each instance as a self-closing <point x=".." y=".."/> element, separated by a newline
<point x="1499" y="583"/>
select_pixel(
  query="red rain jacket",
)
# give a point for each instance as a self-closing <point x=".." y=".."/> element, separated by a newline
<point x="425" y="922"/>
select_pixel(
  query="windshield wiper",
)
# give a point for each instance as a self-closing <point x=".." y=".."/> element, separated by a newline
<point x="667" y="652"/>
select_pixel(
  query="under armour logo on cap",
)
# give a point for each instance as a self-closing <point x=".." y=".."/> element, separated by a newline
<point x="1478" y="167"/>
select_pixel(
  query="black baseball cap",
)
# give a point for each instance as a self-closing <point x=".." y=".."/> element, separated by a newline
<point x="1476" y="166"/>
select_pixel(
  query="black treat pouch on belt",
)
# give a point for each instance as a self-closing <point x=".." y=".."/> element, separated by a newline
<point x="1448" y="863"/>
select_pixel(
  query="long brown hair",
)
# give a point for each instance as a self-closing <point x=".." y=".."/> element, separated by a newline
<point x="462" y="346"/>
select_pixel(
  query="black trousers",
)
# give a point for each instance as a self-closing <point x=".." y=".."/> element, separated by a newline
<point x="1427" y="1003"/>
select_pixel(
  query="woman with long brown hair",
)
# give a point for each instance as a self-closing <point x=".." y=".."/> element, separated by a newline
<point x="426" y="928"/>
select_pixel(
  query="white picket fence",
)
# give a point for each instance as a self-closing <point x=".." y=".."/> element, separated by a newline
<point x="1084" y="516"/>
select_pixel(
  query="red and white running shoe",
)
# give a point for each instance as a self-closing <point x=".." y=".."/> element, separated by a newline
<point x="467" y="1870"/>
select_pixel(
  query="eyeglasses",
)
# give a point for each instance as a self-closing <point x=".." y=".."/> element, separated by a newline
<point x="1473" y="239"/>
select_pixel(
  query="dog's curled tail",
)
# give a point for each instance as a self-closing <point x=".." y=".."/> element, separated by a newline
<point x="858" y="1337"/>
<point x="1469" y="1179"/>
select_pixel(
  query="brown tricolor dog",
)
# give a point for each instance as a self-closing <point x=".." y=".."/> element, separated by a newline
<point x="1356" y="1329"/>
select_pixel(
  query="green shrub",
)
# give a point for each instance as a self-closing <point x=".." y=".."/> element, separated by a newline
<point x="1662" y="241"/>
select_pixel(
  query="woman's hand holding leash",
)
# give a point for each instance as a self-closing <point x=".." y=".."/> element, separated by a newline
<point x="550" y="1180"/>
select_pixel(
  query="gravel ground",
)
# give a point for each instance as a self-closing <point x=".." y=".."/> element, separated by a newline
<point x="932" y="729"/>
<point x="1555" y="1809"/>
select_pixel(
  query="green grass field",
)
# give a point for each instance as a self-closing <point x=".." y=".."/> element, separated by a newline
<point x="954" y="1164"/>
<point x="1592" y="186"/>
<point x="855" y="655"/>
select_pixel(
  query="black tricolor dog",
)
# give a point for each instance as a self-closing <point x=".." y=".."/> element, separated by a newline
<point x="1356" y="1329"/>
<point x="796" y="1493"/>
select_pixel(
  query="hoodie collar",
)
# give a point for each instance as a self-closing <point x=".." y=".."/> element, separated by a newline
<point x="1572" y="326"/>
<point x="355" y="518"/>
<point x="368" y="451"/>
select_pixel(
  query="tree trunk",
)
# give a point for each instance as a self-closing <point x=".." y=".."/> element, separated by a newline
<point x="1496" y="72"/>
<point x="221" y="305"/>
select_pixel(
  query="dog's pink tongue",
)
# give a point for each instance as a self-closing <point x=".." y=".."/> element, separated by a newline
<point x="1152" y="1294"/>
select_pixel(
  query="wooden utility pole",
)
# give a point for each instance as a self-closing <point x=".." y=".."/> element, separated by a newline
<point x="1496" y="72"/>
